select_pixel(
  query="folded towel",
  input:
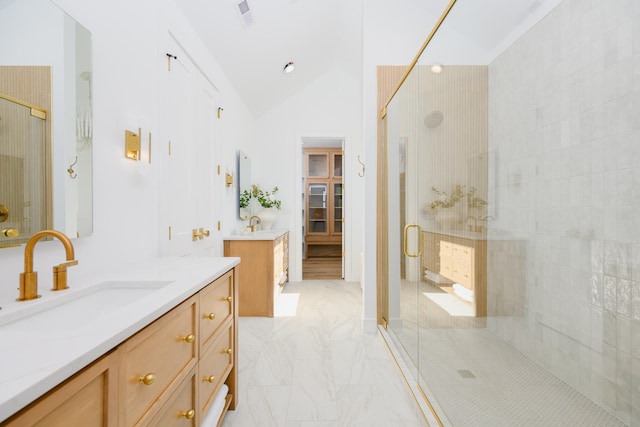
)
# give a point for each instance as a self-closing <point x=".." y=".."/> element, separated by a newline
<point x="435" y="277"/>
<point x="215" y="410"/>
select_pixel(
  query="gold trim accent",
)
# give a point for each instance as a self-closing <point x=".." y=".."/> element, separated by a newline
<point x="426" y="399"/>
<point x="37" y="112"/>
<point x="406" y="381"/>
<point x="417" y="57"/>
<point x="4" y="213"/>
<point x="132" y="145"/>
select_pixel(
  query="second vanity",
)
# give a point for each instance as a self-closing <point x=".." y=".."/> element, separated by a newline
<point x="153" y="345"/>
<point x="264" y="268"/>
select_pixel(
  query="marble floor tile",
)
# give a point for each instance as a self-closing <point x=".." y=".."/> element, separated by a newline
<point x="313" y="366"/>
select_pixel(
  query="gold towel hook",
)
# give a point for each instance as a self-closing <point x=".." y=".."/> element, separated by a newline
<point x="70" y="171"/>
<point x="361" y="174"/>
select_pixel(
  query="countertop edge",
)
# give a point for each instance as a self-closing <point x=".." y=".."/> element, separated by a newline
<point x="258" y="235"/>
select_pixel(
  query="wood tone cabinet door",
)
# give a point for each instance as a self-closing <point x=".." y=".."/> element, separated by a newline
<point x="88" y="399"/>
<point x="181" y="409"/>
<point x="165" y="350"/>
<point x="214" y="366"/>
<point x="216" y="308"/>
<point x="431" y="252"/>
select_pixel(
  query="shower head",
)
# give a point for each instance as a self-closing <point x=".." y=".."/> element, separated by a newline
<point x="433" y="119"/>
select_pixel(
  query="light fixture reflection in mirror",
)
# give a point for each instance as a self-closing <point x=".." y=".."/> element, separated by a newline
<point x="244" y="182"/>
<point x="57" y="40"/>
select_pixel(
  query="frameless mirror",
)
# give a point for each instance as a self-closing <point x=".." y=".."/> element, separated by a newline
<point x="45" y="122"/>
<point x="244" y="184"/>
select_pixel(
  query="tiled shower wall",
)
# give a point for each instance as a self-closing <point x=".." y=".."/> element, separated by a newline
<point x="564" y="138"/>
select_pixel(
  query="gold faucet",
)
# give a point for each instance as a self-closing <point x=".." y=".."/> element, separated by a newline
<point x="253" y="227"/>
<point x="29" y="279"/>
<point x="473" y="227"/>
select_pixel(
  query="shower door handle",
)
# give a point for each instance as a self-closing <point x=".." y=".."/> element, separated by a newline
<point x="420" y="240"/>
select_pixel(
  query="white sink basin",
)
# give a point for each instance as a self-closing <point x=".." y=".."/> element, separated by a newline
<point x="76" y="310"/>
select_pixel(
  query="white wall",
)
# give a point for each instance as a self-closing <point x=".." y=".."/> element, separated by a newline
<point x="329" y="107"/>
<point x="128" y="51"/>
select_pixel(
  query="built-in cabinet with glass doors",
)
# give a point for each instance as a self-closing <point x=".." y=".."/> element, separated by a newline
<point x="324" y="202"/>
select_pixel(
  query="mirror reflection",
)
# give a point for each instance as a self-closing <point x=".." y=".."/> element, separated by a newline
<point x="244" y="183"/>
<point x="46" y="157"/>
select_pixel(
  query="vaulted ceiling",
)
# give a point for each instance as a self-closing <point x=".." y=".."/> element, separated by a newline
<point x="320" y="35"/>
<point x="316" y="35"/>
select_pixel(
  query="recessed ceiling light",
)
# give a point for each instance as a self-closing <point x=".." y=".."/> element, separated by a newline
<point x="288" y="69"/>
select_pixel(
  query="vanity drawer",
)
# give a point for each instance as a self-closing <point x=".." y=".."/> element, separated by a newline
<point x="167" y="350"/>
<point x="216" y="308"/>
<point x="446" y="249"/>
<point x="215" y="364"/>
<point x="446" y="267"/>
<point x="180" y="410"/>
<point x="463" y="254"/>
<point x="462" y="273"/>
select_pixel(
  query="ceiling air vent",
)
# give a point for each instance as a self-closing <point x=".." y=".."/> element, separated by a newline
<point x="245" y="12"/>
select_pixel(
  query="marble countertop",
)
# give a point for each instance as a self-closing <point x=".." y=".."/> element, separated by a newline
<point x="490" y="234"/>
<point x="257" y="235"/>
<point x="34" y="359"/>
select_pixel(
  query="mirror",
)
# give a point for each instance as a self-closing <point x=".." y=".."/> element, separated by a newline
<point x="45" y="162"/>
<point x="244" y="183"/>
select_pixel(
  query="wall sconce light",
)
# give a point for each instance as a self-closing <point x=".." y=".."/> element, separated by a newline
<point x="228" y="180"/>
<point x="288" y="69"/>
<point x="132" y="145"/>
<point x="437" y="68"/>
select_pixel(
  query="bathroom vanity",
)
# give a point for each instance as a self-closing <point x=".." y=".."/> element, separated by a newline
<point x="156" y="345"/>
<point x="460" y="258"/>
<point x="264" y="269"/>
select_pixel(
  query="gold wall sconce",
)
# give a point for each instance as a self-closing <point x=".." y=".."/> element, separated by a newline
<point x="228" y="179"/>
<point x="132" y="145"/>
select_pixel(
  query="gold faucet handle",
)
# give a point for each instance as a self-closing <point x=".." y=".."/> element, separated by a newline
<point x="60" y="275"/>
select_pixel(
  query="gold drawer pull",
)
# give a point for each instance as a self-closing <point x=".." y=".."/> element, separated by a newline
<point x="189" y="338"/>
<point x="227" y="350"/>
<point x="147" y="379"/>
<point x="209" y="316"/>
<point x="189" y="414"/>
<point x="210" y="379"/>
<point x="227" y="299"/>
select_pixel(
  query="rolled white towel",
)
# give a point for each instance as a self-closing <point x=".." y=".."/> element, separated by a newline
<point x="463" y="292"/>
<point x="215" y="410"/>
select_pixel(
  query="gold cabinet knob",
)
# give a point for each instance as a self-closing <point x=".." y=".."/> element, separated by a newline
<point x="189" y="414"/>
<point x="227" y="350"/>
<point x="147" y="379"/>
<point x="209" y="316"/>
<point x="189" y="338"/>
<point x="227" y="299"/>
<point x="209" y="379"/>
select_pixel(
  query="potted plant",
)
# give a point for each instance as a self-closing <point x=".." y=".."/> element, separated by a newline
<point x="267" y="200"/>
<point x="447" y="215"/>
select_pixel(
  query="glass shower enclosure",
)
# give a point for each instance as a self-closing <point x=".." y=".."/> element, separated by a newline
<point x="513" y="161"/>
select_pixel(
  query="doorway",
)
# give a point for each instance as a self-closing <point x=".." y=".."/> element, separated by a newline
<point x="322" y="208"/>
